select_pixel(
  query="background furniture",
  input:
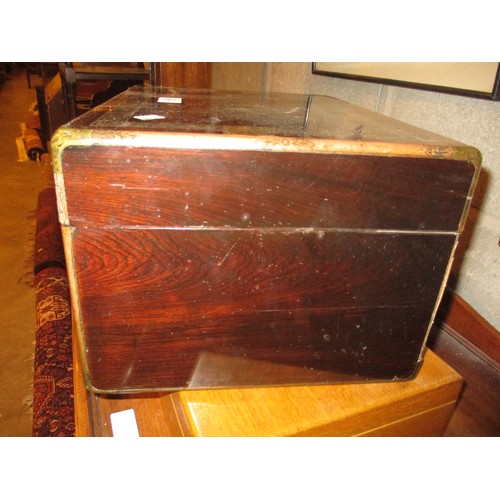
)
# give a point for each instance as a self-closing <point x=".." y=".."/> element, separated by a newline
<point x="74" y="88"/>
<point x="52" y="104"/>
<point x="193" y="75"/>
<point x="119" y="76"/>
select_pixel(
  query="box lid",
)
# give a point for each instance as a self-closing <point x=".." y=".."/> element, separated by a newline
<point x="201" y="122"/>
<point x="215" y="119"/>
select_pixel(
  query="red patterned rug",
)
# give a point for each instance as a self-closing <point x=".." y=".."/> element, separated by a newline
<point x="53" y="408"/>
<point x="53" y="398"/>
<point x="48" y="241"/>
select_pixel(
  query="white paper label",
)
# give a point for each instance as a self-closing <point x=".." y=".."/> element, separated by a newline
<point x="149" y="117"/>
<point x="170" y="100"/>
<point x="124" y="424"/>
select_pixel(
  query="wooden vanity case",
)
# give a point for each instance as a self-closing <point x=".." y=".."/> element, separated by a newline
<point x="231" y="239"/>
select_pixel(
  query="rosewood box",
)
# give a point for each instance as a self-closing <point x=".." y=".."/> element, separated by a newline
<point x="223" y="239"/>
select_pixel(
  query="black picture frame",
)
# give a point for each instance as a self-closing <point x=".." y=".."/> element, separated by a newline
<point x="492" y="93"/>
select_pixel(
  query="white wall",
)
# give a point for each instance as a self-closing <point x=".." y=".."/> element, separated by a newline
<point x="476" y="273"/>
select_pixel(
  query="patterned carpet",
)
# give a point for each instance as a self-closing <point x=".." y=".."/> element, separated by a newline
<point x="53" y="410"/>
<point x="48" y="245"/>
<point x="53" y="400"/>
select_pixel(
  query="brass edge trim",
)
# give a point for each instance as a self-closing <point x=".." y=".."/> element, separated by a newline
<point x="75" y="301"/>
<point x="475" y="179"/>
<point x="67" y="136"/>
<point x="62" y="206"/>
<point x="285" y="230"/>
<point x="60" y="140"/>
<point x="469" y="154"/>
<point x="63" y="138"/>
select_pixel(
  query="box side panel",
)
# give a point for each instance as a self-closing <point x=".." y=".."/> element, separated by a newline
<point x="218" y="308"/>
<point x="154" y="187"/>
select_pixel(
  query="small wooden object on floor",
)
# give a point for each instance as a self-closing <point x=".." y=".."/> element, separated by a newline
<point x="421" y="407"/>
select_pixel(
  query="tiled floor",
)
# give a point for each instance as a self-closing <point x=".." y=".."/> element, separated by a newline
<point x="20" y="183"/>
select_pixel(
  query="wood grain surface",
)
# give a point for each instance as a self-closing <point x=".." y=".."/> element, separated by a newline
<point x="332" y="305"/>
<point x="116" y="186"/>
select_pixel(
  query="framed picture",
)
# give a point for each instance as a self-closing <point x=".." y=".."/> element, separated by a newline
<point x="472" y="79"/>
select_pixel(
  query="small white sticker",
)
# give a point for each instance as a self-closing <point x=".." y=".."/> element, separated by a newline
<point x="170" y="100"/>
<point x="149" y="117"/>
<point x="123" y="424"/>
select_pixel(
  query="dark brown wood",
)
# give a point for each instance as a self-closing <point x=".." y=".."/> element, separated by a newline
<point x="249" y="189"/>
<point x="478" y="410"/>
<point x="240" y="239"/>
<point x="470" y="345"/>
<point x="303" y="299"/>
<point x="457" y="316"/>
